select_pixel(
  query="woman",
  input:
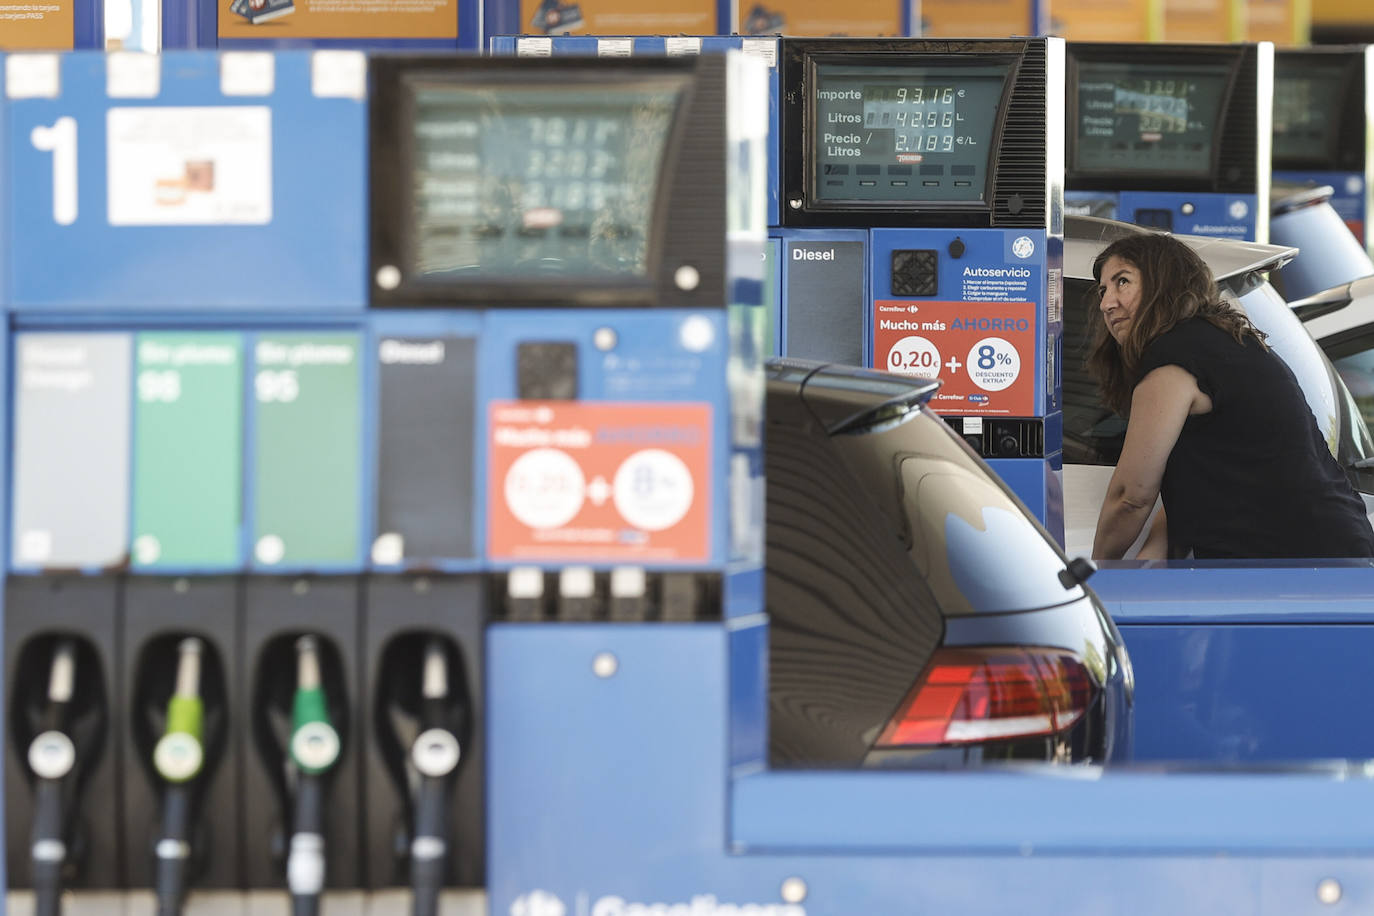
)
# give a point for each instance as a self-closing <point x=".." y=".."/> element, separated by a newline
<point x="1218" y="423"/>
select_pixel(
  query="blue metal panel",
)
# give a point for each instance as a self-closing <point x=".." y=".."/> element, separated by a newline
<point x="606" y="793"/>
<point x="649" y="363"/>
<point x="987" y="271"/>
<point x="88" y="27"/>
<point x="1237" y="592"/>
<point x="1241" y="662"/>
<point x="1251" y="693"/>
<point x="308" y="255"/>
<point x="1223" y="215"/>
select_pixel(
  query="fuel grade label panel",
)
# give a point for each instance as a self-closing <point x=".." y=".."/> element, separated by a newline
<point x="984" y="352"/>
<point x="605" y="482"/>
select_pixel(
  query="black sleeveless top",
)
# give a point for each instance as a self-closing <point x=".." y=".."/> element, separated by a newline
<point x="1253" y="478"/>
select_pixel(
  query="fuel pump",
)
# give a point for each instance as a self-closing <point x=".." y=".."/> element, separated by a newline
<point x="922" y="231"/>
<point x="178" y="759"/>
<point x="1172" y="136"/>
<point x="1323" y="166"/>
<point x="52" y="757"/>
<point x="314" y="748"/>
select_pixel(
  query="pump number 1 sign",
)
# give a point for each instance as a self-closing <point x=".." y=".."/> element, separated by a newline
<point x="609" y="482"/>
<point x="984" y="352"/>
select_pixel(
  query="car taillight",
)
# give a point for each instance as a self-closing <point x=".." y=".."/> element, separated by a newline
<point x="971" y="695"/>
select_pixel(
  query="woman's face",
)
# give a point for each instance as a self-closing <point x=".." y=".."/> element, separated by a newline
<point x="1121" y="290"/>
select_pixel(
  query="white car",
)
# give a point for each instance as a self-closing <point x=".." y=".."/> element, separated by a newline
<point x="1093" y="434"/>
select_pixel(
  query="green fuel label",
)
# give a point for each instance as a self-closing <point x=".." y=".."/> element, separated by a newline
<point x="188" y="449"/>
<point x="307" y="461"/>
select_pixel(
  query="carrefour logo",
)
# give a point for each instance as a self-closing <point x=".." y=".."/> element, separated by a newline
<point x="543" y="903"/>
<point x="1023" y="247"/>
<point x="537" y="903"/>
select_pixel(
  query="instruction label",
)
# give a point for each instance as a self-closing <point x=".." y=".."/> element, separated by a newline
<point x="190" y="166"/>
<point x="356" y="19"/>
<point x="188" y="448"/>
<point x="37" y="25"/>
<point x="984" y="352"/>
<point x="307" y="466"/>
<point x="606" y="481"/>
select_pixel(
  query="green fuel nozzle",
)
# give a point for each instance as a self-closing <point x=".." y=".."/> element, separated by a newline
<point x="314" y="742"/>
<point x="179" y="753"/>
<point x="314" y="749"/>
<point x="178" y="758"/>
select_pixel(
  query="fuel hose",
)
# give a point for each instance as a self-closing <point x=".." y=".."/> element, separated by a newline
<point x="52" y="756"/>
<point x="178" y="758"/>
<point x="435" y="756"/>
<point x="314" y="749"/>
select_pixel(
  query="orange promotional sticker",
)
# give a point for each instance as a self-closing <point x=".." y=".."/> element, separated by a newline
<point x="618" y="17"/>
<point x="984" y="352"/>
<point x="37" y="25"/>
<point x="1106" y="20"/>
<point x="820" y="18"/>
<point x="599" y="482"/>
<point x="1203" y="20"/>
<point x="359" y="19"/>
<point x="975" y="18"/>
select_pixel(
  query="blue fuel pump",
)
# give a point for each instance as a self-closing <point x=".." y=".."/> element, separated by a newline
<point x="1171" y="136"/>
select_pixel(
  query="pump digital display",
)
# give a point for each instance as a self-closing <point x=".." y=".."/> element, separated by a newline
<point x="515" y="181"/>
<point x="1147" y="118"/>
<point x="904" y="133"/>
<point x="1308" y="113"/>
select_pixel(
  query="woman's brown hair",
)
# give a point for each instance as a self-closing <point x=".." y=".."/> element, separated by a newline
<point x="1175" y="285"/>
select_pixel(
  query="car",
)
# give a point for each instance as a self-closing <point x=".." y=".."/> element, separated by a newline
<point x="1341" y="319"/>
<point x="919" y="615"/>
<point x="1094" y="434"/>
<point x="1301" y="216"/>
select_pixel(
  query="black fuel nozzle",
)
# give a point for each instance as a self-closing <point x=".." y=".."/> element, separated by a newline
<point x="434" y="755"/>
<point x="314" y="749"/>
<point x="52" y="757"/>
<point x="178" y="758"/>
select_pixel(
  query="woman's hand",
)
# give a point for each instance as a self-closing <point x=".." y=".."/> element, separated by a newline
<point x="1160" y="405"/>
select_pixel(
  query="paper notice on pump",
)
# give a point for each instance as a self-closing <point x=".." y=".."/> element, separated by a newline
<point x="190" y="166"/>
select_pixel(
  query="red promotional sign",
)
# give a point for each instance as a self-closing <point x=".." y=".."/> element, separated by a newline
<point x="599" y="482"/>
<point x="983" y="351"/>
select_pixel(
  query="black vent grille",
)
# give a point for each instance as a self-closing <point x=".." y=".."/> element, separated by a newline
<point x="915" y="273"/>
<point x="1236" y="165"/>
<point x="1018" y="191"/>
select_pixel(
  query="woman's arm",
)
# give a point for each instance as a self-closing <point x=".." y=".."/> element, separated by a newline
<point x="1160" y="405"/>
<point x="1156" y="546"/>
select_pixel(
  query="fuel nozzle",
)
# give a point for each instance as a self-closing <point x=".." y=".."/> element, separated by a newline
<point x="435" y="755"/>
<point x="314" y="748"/>
<point x="178" y="758"/>
<point x="52" y="757"/>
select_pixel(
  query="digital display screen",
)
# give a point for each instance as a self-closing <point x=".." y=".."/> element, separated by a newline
<point x="523" y="182"/>
<point x="904" y="133"/>
<point x="1148" y="118"/>
<point x="1307" y="112"/>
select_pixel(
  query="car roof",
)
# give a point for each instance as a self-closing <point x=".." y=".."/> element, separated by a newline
<point x="849" y="397"/>
<point x="1086" y="236"/>
<point x="1285" y="196"/>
